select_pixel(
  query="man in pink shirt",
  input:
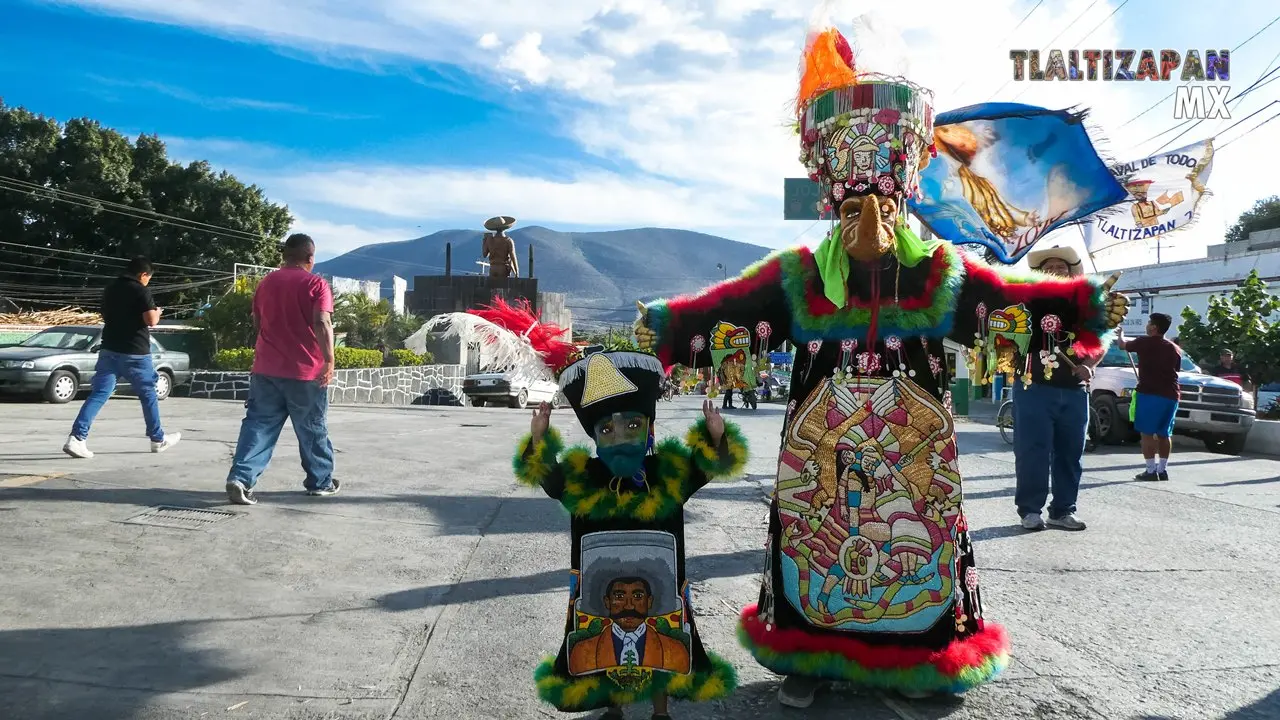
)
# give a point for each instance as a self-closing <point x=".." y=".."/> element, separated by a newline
<point x="292" y="369"/>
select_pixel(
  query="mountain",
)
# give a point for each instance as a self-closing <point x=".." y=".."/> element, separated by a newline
<point x="603" y="273"/>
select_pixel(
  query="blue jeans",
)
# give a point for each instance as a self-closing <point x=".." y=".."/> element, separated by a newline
<point x="273" y="400"/>
<point x="1049" y="426"/>
<point x="140" y="373"/>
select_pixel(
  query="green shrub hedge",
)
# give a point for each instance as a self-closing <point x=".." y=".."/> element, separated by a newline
<point x="406" y="358"/>
<point x="235" y="359"/>
<point x="345" y="358"/>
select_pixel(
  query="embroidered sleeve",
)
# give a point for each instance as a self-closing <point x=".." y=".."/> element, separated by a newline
<point x="754" y="300"/>
<point x="1079" y="303"/>
<point x="536" y="465"/>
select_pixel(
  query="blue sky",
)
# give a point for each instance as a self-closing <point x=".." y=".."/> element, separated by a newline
<point x="388" y="119"/>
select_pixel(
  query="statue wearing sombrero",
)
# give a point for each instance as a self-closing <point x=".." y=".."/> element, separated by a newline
<point x="869" y="573"/>
<point x="499" y="249"/>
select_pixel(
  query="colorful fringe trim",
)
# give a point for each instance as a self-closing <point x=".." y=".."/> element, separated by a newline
<point x="577" y="694"/>
<point x="709" y="459"/>
<point x="961" y="666"/>
<point x="531" y="468"/>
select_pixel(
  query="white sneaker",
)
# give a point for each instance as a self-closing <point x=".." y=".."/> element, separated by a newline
<point x="170" y="439"/>
<point x="1067" y="522"/>
<point x="1032" y="521"/>
<point x="77" y="448"/>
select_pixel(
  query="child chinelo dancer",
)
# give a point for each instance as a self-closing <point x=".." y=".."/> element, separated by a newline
<point x="629" y="633"/>
<point x="629" y="630"/>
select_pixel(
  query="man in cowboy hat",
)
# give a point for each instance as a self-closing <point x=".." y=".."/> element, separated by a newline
<point x="1050" y="419"/>
<point x="1146" y="213"/>
<point x="499" y="249"/>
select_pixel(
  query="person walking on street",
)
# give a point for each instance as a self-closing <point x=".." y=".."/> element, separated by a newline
<point x="1227" y="369"/>
<point x="128" y="314"/>
<point x="1155" y="401"/>
<point x="1051" y="420"/>
<point x="292" y="369"/>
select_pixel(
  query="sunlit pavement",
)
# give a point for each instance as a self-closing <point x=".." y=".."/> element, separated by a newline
<point x="432" y="585"/>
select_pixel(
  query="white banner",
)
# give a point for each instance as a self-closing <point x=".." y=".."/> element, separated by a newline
<point x="1165" y="191"/>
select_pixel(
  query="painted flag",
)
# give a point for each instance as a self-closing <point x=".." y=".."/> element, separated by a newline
<point x="1006" y="175"/>
<point x="1165" y="191"/>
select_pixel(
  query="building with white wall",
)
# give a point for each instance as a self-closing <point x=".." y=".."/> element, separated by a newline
<point x="1170" y="287"/>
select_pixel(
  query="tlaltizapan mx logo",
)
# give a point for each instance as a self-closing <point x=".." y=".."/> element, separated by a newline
<point x="1202" y="96"/>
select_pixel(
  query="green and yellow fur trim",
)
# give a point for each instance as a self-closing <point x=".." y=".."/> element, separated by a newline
<point x="589" y="692"/>
<point x="710" y="460"/>
<point x="532" y="468"/>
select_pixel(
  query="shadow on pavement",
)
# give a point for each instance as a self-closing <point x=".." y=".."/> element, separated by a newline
<point x="1268" y="708"/>
<point x="1261" y="481"/>
<point x="109" y="673"/>
<point x="701" y="567"/>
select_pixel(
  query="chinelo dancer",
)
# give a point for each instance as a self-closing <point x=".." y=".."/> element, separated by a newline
<point x="870" y="575"/>
<point x="629" y="630"/>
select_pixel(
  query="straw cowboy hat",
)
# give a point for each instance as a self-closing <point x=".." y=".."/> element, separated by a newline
<point x="1037" y="258"/>
<point x="499" y="223"/>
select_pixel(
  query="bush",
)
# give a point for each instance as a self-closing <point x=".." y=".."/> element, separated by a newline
<point x="235" y="359"/>
<point x="406" y="358"/>
<point x="345" y="358"/>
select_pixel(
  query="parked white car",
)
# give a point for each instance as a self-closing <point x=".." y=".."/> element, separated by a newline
<point x="510" y="388"/>
<point x="1212" y="409"/>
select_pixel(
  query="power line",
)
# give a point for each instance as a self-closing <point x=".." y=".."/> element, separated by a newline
<point x="1255" y="127"/>
<point x="110" y="257"/>
<point x="1051" y="42"/>
<point x="1252" y="86"/>
<point x="1171" y="93"/>
<point x="131" y="208"/>
<point x="1003" y="41"/>
<point x="1184" y="132"/>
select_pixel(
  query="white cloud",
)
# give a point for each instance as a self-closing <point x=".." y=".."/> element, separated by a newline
<point x="696" y="94"/>
<point x="334" y="239"/>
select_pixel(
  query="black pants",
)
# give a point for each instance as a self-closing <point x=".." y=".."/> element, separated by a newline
<point x="728" y="398"/>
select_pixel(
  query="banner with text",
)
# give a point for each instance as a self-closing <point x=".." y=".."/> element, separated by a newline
<point x="1165" y="191"/>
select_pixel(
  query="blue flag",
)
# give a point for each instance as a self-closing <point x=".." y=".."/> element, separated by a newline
<point x="1006" y="175"/>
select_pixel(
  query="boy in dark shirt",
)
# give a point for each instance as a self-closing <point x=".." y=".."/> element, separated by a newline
<point x="1155" y="401"/>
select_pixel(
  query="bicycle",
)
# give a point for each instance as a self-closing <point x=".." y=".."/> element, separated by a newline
<point x="1004" y="421"/>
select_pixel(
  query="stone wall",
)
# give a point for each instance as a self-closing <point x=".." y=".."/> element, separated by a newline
<point x="421" y="385"/>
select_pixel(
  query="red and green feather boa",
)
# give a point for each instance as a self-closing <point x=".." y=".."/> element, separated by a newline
<point x="931" y="313"/>
<point x="961" y="666"/>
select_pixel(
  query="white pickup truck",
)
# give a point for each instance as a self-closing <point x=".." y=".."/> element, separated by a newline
<point x="1212" y="409"/>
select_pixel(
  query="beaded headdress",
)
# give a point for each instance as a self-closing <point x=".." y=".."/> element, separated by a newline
<point x="860" y="132"/>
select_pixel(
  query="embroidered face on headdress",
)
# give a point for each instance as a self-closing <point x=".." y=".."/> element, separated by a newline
<point x="865" y="138"/>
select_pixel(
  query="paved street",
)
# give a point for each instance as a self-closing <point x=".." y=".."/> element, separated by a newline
<point x="432" y="585"/>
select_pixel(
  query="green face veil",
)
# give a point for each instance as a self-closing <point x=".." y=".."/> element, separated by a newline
<point x="622" y="442"/>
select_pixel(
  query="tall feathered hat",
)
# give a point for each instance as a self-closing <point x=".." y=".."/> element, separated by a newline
<point x="604" y="383"/>
<point x="510" y="335"/>
<point x="860" y="132"/>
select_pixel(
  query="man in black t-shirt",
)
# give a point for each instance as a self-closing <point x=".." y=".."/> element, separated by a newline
<point x="128" y="314"/>
<point x="1050" y="420"/>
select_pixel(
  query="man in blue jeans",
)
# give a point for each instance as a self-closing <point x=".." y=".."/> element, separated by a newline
<point x="1050" y="421"/>
<point x="292" y="369"/>
<point x="128" y="314"/>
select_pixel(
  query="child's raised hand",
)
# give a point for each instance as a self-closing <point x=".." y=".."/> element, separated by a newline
<point x="715" y="422"/>
<point x="541" y="421"/>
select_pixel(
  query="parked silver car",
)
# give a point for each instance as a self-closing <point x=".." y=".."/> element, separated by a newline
<point x="59" y="362"/>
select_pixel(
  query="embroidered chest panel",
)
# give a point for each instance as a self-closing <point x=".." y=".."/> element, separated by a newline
<point x="869" y="498"/>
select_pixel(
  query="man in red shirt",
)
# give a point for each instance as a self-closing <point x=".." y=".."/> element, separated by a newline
<point x="292" y="369"/>
<point x="1155" y="401"/>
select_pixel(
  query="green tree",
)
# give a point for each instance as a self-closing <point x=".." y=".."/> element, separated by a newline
<point x="363" y="320"/>
<point x="1244" y="321"/>
<point x="229" y="317"/>
<point x="1264" y="215"/>
<point x="87" y="188"/>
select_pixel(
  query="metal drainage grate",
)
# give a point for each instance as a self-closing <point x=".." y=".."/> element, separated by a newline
<point x="180" y="517"/>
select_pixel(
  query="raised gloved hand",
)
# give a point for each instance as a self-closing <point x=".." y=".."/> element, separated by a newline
<point x="1117" y="305"/>
<point x="646" y="338"/>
